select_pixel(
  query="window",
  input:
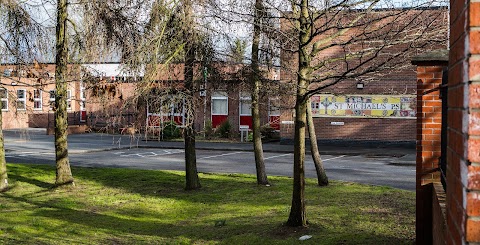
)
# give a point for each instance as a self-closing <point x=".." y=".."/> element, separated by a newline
<point x="219" y="103"/>
<point x="82" y="98"/>
<point x="177" y="107"/>
<point x="21" y="99"/>
<point x="273" y="107"/>
<point x="69" y="99"/>
<point x="245" y="104"/>
<point x="52" y="99"/>
<point x="37" y="99"/>
<point x="4" y="99"/>
<point x="7" y="72"/>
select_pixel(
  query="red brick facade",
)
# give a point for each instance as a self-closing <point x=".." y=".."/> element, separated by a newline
<point x="462" y="209"/>
<point x="463" y="174"/>
<point x="115" y="103"/>
<point x="37" y="82"/>
<point x="429" y="122"/>
<point x="429" y="210"/>
<point x="400" y="80"/>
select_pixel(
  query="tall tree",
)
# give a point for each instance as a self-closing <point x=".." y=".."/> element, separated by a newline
<point x="192" y="180"/>
<point x="148" y="44"/>
<point x="256" y="86"/>
<point x="21" y="40"/>
<point x="338" y="41"/>
<point x="297" y="215"/>
<point x="252" y="14"/>
<point x="63" y="173"/>
<point x="322" y="178"/>
<point x="3" y="162"/>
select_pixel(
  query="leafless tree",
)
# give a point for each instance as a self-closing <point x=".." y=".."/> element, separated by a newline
<point x="63" y="173"/>
<point x="150" y="44"/>
<point x="255" y="93"/>
<point x="22" y="40"/>
<point x="334" y="41"/>
<point x="256" y="18"/>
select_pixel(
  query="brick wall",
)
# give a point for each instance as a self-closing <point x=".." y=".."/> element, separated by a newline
<point x="439" y="225"/>
<point x="463" y="172"/>
<point x="429" y="122"/>
<point x="354" y="128"/>
<point x="400" y="80"/>
<point x="430" y="221"/>
<point x="380" y="129"/>
<point x="30" y="117"/>
<point x="473" y="181"/>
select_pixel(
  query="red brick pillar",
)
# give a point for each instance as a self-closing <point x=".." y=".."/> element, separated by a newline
<point x="429" y="136"/>
<point x="463" y="167"/>
<point x="429" y="115"/>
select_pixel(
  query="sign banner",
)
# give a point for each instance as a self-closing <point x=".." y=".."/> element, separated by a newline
<point x="378" y="106"/>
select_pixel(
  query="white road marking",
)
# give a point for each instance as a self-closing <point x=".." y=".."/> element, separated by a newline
<point x="333" y="158"/>
<point x="266" y="158"/>
<point x="26" y="154"/>
<point x="226" y="154"/>
<point x="150" y="154"/>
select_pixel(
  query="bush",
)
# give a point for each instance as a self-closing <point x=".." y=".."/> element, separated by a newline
<point x="170" y="130"/>
<point x="209" y="133"/>
<point x="250" y="137"/>
<point x="268" y="132"/>
<point x="224" y="129"/>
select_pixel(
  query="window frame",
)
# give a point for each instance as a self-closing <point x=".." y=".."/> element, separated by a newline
<point x="52" y="100"/>
<point x="39" y="99"/>
<point x="219" y="95"/>
<point x="270" y="114"/>
<point x="69" y="100"/>
<point x="24" y="99"/>
<point x="83" y="99"/>
<point x="5" y="100"/>
<point x="244" y="97"/>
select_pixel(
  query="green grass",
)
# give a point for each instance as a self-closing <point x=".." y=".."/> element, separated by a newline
<point x="124" y="206"/>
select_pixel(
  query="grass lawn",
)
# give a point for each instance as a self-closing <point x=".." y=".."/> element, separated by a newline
<point x="124" y="206"/>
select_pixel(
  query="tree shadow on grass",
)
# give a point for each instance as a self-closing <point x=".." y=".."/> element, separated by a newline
<point x="124" y="226"/>
<point x="32" y="181"/>
<point x="168" y="184"/>
<point x="216" y="191"/>
<point x="235" y="231"/>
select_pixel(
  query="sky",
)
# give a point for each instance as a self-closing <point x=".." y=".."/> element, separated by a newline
<point x="224" y="22"/>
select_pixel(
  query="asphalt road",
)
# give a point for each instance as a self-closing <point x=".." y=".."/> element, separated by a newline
<point x="361" y="168"/>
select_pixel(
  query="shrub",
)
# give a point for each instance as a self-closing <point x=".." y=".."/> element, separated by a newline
<point x="268" y="132"/>
<point x="209" y="133"/>
<point x="250" y="137"/>
<point x="224" y="129"/>
<point x="170" y="130"/>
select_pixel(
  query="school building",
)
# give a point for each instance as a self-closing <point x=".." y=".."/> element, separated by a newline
<point x="105" y="96"/>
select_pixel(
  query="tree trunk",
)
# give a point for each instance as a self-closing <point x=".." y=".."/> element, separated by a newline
<point x="297" y="212"/>
<point x="317" y="160"/>
<point x="3" y="162"/>
<point x="63" y="173"/>
<point x="191" y="173"/>
<point x="257" y="136"/>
